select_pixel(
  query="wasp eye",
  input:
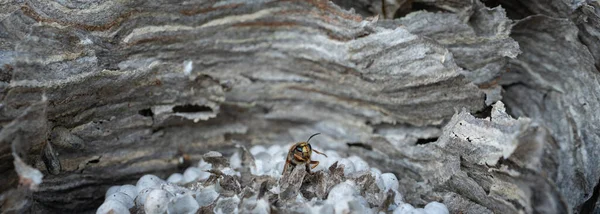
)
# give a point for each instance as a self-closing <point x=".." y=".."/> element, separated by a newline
<point x="299" y="149"/>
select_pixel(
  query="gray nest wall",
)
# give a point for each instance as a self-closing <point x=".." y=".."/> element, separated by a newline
<point x="97" y="93"/>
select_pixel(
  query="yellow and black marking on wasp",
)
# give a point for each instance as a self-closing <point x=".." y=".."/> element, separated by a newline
<point x="300" y="153"/>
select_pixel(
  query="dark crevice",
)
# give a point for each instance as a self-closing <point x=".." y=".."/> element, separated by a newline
<point x="484" y="113"/>
<point x="589" y="206"/>
<point x="515" y="10"/>
<point x="191" y="109"/>
<point x="416" y="6"/>
<point x="423" y="141"/>
<point x="491" y="3"/>
<point x="404" y="9"/>
<point x="157" y="129"/>
<point x="508" y="104"/>
<point x="360" y="145"/>
<point x="515" y="203"/>
<point x="6" y="73"/>
<point x="146" y="112"/>
<point x="509" y="110"/>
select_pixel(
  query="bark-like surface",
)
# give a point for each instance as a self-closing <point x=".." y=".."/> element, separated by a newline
<point x="100" y="92"/>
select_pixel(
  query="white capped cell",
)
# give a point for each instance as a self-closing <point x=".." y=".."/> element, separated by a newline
<point x="373" y="169"/>
<point x="203" y="165"/>
<point x="279" y="166"/>
<point x="175" y="178"/>
<point x="359" y="163"/>
<point x="141" y="197"/>
<point x="341" y="191"/>
<point x="262" y="207"/>
<point x="327" y="209"/>
<point x="378" y="180"/>
<point x="111" y="190"/>
<point x="342" y="195"/>
<point x="129" y="189"/>
<point x="281" y="155"/>
<point x="404" y="209"/>
<point x="341" y="207"/>
<point x="264" y="156"/>
<point x="112" y="207"/>
<point x="436" y="208"/>
<point x="398" y="198"/>
<point x="235" y="161"/>
<point x="256" y="149"/>
<point x="183" y="204"/>
<point x="190" y="174"/>
<point x="260" y="167"/>
<point x="193" y="174"/>
<point x="274" y="149"/>
<point x="390" y="181"/>
<point x="358" y="205"/>
<point x="332" y="154"/>
<point x="203" y="175"/>
<point x="359" y="199"/>
<point x="157" y="201"/>
<point x="149" y="181"/>
<point x="266" y="160"/>
<point x="348" y="166"/>
<point x="122" y="198"/>
<point x="206" y="196"/>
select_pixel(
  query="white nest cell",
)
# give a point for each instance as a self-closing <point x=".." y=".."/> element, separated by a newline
<point x="184" y="204"/>
<point x="154" y="195"/>
<point x="390" y="181"/>
<point x="157" y="201"/>
<point x="149" y="181"/>
<point x="112" y="206"/>
<point x="206" y="196"/>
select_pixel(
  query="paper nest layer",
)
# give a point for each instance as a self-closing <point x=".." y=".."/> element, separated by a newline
<point x="251" y="181"/>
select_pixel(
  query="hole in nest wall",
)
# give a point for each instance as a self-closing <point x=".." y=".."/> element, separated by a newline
<point x="191" y="108"/>
<point x="423" y="141"/>
<point x="360" y="145"/>
<point x="146" y="112"/>
<point x="484" y="113"/>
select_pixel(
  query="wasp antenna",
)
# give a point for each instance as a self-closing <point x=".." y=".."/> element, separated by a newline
<point x="312" y="136"/>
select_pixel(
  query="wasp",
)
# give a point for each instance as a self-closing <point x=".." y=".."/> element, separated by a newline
<point x="300" y="153"/>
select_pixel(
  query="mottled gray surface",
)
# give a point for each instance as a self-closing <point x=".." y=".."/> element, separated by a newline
<point x="477" y="165"/>
<point x="554" y="80"/>
<point x="557" y="85"/>
<point x="130" y="87"/>
<point x="562" y="94"/>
